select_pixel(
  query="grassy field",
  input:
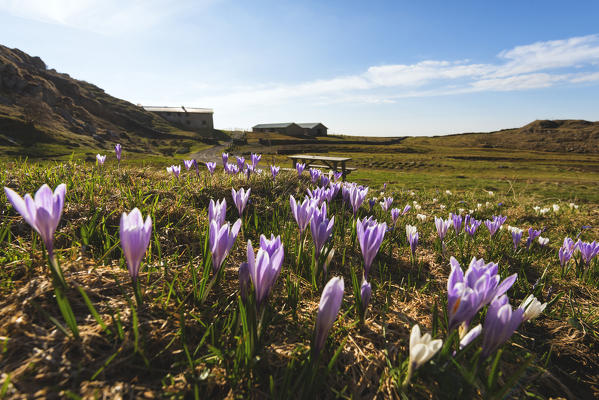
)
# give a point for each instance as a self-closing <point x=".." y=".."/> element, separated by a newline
<point x="189" y="334"/>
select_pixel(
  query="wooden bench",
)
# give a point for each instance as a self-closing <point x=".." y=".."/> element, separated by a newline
<point x="335" y="164"/>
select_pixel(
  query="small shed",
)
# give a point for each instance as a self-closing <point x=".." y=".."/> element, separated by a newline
<point x="314" y="128"/>
<point x="286" y="128"/>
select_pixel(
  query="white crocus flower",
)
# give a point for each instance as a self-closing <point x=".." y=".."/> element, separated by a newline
<point x="479" y="206"/>
<point x="461" y="211"/>
<point x="573" y="206"/>
<point x="555" y="208"/>
<point x="448" y="192"/>
<point x="543" y="240"/>
<point x="421" y="217"/>
<point x="442" y="206"/>
<point x="532" y="307"/>
<point x="422" y="349"/>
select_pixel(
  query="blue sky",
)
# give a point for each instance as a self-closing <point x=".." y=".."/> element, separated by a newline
<point x="364" y="68"/>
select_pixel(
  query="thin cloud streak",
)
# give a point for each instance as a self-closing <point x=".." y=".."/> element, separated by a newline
<point x="534" y="66"/>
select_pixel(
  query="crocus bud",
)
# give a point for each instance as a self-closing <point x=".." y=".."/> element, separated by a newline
<point x="135" y="237"/>
<point x="422" y="349"/>
<point x="221" y="240"/>
<point x="240" y="198"/>
<point x="500" y="323"/>
<point x="330" y="303"/>
<point x="370" y="237"/>
<point x="117" y="150"/>
<point x="100" y="159"/>
<point x="42" y="212"/>
<point x="532" y="308"/>
<point x="365" y="292"/>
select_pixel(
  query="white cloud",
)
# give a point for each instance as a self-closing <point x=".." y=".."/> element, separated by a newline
<point x="534" y="66"/>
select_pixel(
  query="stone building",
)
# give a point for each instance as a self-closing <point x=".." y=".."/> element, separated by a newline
<point x="186" y="117"/>
<point x="293" y="129"/>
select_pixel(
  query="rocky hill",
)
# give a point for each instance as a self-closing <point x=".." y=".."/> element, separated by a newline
<point x="40" y="105"/>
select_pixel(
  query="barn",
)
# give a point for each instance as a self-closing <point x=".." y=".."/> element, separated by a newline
<point x="293" y="129"/>
<point x="286" y="128"/>
<point x="314" y="128"/>
<point x="186" y="117"/>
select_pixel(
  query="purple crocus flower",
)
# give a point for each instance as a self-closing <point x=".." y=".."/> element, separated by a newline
<point x="217" y="211"/>
<point x="240" y="163"/>
<point x="256" y="159"/>
<point x="365" y="293"/>
<point x="211" y="167"/>
<point x="588" y="251"/>
<point x="240" y="198"/>
<point x="221" y="241"/>
<point x="337" y="175"/>
<point x="457" y="223"/>
<point x="412" y="235"/>
<point x="494" y="225"/>
<point x="225" y="158"/>
<point x="231" y="169"/>
<point x="468" y="293"/>
<point x="335" y="187"/>
<point x="118" y="149"/>
<point x="175" y="170"/>
<point x="135" y="237"/>
<point x="299" y="168"/>
<point x="386" y="203"/>
<point x="42" y="212"/>
<point x="188" y="164"/>
<point x="318" y="195"/>
<point x="328" y="308"/>
<point x="265" y="267"/>
<point x="532" y="235"/>
<point x="370" y="236"/>
<point x="394" y="216"/>
<point x="274" y="171"/>
<point x="406" y="209"/>
<point x="321" y="228"/>
<point x="100" y="159"/>
<point x="516" y="237"/>
<point x="471" y="226"/>
<point x="301" y="212"/>
<point x="357" y="194"/>
<point x="500" y="323"/>
<point x="442" y="227"/>
<point x="371" y="203"/>
<point x="564" y="256"/>
<point x="324" y="180"/>
<point x="314" y="174"/>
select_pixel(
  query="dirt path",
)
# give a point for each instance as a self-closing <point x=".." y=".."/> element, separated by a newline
<point x="211" y="154"/>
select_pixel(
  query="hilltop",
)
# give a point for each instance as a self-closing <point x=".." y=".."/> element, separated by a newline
<point x="564" y="136"/>
<point x="42" y="110"/>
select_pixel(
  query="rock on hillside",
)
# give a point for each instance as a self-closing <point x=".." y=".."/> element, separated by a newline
<point x="38" y="104"/>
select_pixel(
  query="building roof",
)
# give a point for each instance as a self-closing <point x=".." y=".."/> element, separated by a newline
<point x="181" y="109"/>
<point x="310" y="125"/>
<point x="269" y="126"/>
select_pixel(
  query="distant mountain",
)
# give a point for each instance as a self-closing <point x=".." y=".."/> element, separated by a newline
<point x="39" y="105"/>
<point x="564" y="136"/>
